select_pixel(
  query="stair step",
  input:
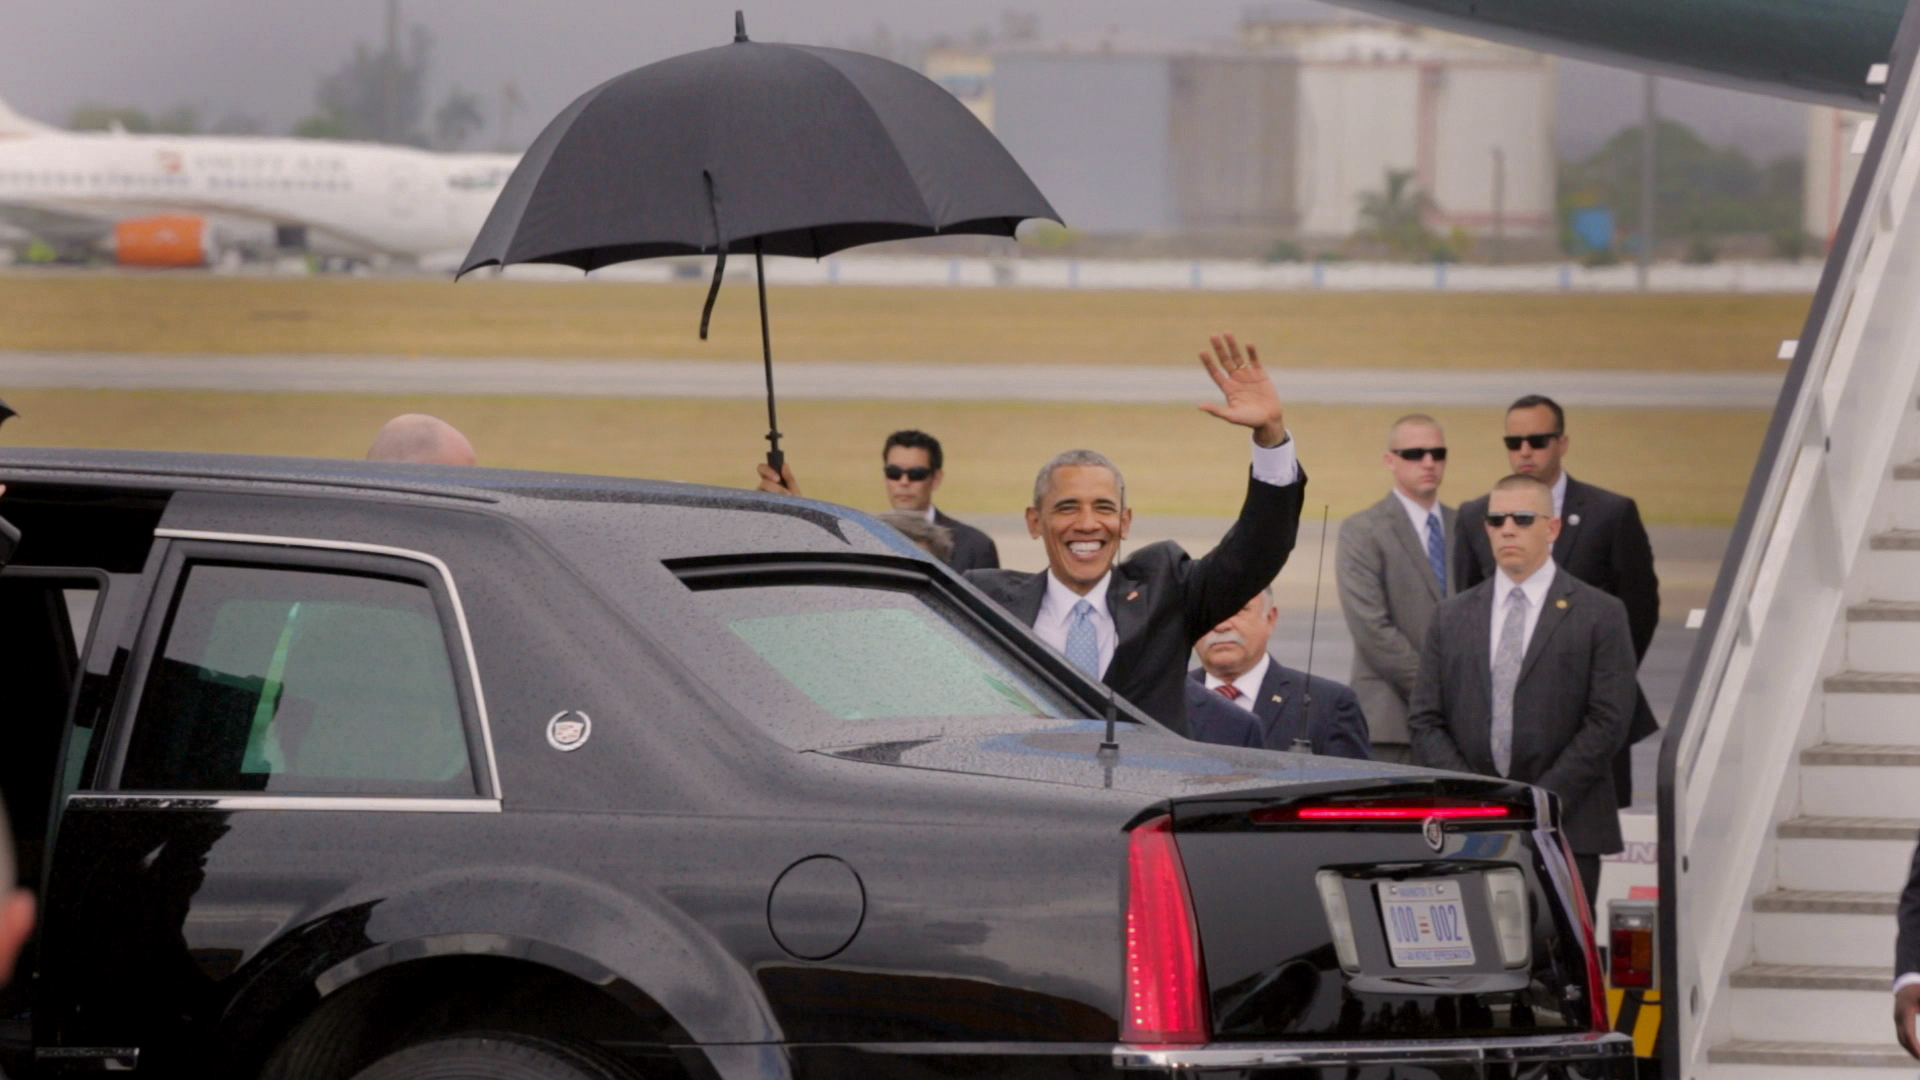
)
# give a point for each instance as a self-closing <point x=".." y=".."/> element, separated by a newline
<point x="1885" y="611"/>
<point x="1817" y="1055"/>
<point x="1896" y="540"/>
<point x="1875" y="719"/>
<point x="1849" y="828"/>
<point x="1874" y="682"/>
<point x="1817" y="902"/>
<point x="1812" y="977"/>
<point x="1860" y="754"/>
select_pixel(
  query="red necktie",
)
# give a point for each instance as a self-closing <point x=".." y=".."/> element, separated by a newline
<point x="1228" y="690"/>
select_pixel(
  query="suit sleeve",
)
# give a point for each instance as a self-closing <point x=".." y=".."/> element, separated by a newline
<point x="1906" y="949"/>
<point x="1612" y="690"/>
<point x="1247" y="559"/>
<point x="1359" y="573"/>
<point x="989" y="553"/>
<point x="1433" y="744"/>
<point x="1639" y="588"/>
<point x="1347" y="734"/>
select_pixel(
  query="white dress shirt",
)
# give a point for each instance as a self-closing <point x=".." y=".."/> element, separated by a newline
<point x="1905" y="981"/>
<point x="1248" y="684"/>
<point x="1535" y="587"/>
<point x="1276" y="465"/>
<point x="1417" y="516"/>
<point x="1560" y="495"/>
<point x="932" y="515"/>
<point x="1056" y="617"/>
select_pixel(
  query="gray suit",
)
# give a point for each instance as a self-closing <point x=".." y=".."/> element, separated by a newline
<point x="1388" y="592"/>
<point x="1571" y="706"/>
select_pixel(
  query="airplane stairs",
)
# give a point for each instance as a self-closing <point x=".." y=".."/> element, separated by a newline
<point x="1790" y="778"/>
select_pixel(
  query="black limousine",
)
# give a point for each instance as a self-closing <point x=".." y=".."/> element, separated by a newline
<point x="329" y="769"/>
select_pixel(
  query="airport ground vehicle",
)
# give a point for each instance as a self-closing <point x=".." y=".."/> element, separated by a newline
<point x="335" y="764"/>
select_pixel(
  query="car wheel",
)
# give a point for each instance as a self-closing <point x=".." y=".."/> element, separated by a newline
<point x="494" y="1056"/>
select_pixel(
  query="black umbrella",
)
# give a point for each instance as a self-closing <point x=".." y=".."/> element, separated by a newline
<point x="773" y="149"/>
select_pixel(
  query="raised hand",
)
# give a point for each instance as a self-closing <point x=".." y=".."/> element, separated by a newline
<point x="1251" y="400"/>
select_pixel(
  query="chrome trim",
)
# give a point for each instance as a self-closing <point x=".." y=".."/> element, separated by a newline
<point x="1374" y="1052"/>
<point x="390" y="803"/>
<point x="446" y="577"/>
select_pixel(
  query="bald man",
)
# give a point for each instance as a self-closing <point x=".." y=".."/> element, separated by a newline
<point x="422" y="440"/>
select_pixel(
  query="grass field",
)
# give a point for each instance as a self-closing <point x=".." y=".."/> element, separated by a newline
<point x="1685" y="468"/>
<point x="208" y="314"/>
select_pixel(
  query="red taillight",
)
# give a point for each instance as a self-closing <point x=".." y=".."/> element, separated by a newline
<point x="1596" y="989"/>
<point x="1630" y="944"/>
<point x="1166" y="982"/>
<point x="1383" y="811"/>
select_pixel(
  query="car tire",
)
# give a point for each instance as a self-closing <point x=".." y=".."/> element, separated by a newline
<point x="494" y="1056"/>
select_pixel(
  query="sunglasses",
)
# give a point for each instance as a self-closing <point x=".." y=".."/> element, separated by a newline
<point x="1415" y="453"/>
<point x="915" y="474"/>
<point x="1538" y="442"/>
<point x="1522" y="518"/>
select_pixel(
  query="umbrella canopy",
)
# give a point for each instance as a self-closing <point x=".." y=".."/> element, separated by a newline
<point x="780" y="149"/>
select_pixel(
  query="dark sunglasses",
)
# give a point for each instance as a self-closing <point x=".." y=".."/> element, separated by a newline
<point x="1522" y="518"/>
<point x="1415" y="453"/>
<point x="1538" y="442"/>
<point x="915" y="474"/>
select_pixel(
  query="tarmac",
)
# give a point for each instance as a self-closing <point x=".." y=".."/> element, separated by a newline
<point x="733" y="379"/>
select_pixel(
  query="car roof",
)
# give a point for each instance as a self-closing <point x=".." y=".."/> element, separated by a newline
<point x="542" y="499"/>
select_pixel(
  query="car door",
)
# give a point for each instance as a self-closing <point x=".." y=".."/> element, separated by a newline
<point x="294" y="719"/>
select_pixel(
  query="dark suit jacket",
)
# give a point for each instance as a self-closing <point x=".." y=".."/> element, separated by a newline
<point x="1333" y="725"/>
<point x="1213" y="719"/>
<point x="1570" y="708"/>
<point x="1603" y="543"/>
<point x="1162" y="599"/>
<point x="972" y="549"/>
<point x="1906" y="948"/>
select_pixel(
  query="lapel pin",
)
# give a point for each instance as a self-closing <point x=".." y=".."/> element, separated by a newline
<point x="1573" y="519"/>
<point x="1561" y="604"/>
<point x="1278" y="700"/>
<point x="1134" y="595"/>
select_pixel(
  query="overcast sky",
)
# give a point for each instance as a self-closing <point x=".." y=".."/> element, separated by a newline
<point x="263" y="57"/>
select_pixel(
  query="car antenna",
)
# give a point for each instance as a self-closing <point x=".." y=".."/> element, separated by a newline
<point x="1313" y="626"/>
<point x="1108" y="745"/>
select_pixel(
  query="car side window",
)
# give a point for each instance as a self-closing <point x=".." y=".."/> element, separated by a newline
<point x="299" y="681"/>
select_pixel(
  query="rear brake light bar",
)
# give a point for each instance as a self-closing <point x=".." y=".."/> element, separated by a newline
<point x="1166" y="981"/>
<point x="1383" y="812"/>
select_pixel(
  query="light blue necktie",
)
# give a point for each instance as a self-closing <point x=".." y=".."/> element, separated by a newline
<point x="1437" y="550"/>
<point x="1083" y="643"/>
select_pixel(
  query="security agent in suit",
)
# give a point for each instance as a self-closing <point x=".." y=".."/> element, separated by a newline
<point x="914" y="466"/>
<point x="1602" y="542"/>
<point x="1906" y="961"/>
<point x="1392" y="570"/>
<point x="1530" y="675"/>
<point x="1131" y="623"/>
<point x="1289" y="707"/>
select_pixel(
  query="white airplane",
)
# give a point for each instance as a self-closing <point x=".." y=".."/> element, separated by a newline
<point x="174" y="200"/>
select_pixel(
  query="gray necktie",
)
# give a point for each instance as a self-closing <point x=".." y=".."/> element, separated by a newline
<point x="1506" y="675"/>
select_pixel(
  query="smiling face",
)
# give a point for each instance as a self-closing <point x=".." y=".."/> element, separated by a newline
<point x="913" y="496"/>
<point x="1082" y="521"/>
<point x="1418" y="480"/>
<point x="1518" y="549"/>
<point x="1230" y="650"/>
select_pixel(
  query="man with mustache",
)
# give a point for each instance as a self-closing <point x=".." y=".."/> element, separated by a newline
<point x="1292" y="709"/>
<point x="1131" y="623"/>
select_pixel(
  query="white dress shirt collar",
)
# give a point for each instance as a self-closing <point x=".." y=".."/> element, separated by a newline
<point x="1560" y="495"/>
<point x="1055" y="617"/>
<point x="1248" y="683"/>
<point x="1534" y="588"/>
<point x="1417" y="516"/>
<point x="932" y="515"/>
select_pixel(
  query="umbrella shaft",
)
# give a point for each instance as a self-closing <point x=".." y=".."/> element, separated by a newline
<point x="775" y="458"/>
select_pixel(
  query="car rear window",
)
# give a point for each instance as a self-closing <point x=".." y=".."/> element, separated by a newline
<point x="300" y="681"/>
<point x="875" y="653"/>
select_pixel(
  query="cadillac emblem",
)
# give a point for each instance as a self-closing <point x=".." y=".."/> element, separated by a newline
<point x="568" y="730"/>
<point x="1435" y="832"/>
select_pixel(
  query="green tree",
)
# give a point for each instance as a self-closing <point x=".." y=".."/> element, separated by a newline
<point x="1396" y="217"/>
<point x="457" y="119"/>
<point x="1700" y="190"/>
<point x="179" y="120"/>
<point x="377" y="95"/>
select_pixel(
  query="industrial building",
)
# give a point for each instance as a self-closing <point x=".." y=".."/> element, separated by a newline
<point x="1833" y="161"/>
<point x="1282" y="133"/>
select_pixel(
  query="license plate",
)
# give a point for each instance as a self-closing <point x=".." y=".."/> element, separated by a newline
<point x="1426" y="924"/>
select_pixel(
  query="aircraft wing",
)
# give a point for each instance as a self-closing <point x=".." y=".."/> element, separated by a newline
<point x="55" y="224"/>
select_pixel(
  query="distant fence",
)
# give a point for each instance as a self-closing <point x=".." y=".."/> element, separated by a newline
<point x="1170" y="274"/>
